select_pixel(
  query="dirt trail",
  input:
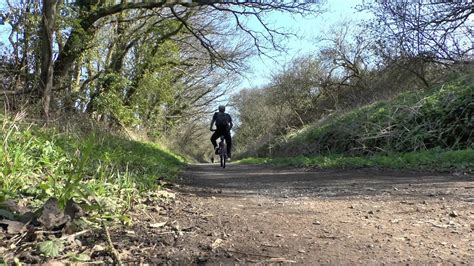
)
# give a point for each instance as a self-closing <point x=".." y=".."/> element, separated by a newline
<point x="255" y="214"/>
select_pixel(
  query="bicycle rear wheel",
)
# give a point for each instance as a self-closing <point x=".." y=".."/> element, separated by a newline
<point x="223" y="160"/>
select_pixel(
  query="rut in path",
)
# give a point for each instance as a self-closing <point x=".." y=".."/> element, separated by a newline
<point x="263" y="214"/>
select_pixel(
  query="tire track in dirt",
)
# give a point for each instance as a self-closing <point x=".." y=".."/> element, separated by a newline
<point x="261" y="214"/>
<point x="256" y="214"/>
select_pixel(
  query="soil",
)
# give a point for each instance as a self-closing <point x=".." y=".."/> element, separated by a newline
<point x="262" y="214"/>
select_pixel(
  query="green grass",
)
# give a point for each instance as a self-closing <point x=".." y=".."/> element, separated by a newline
<point x="428" y="130"/>
<point x="442" y="118"/>
<point x="423" y="160"/>
<point x="96" y="168"/>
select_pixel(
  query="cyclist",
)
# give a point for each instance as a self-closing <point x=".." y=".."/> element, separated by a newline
<point x="223" y="126"/>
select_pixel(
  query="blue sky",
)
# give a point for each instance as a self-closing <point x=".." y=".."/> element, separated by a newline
<point x="308" y="29"/>
<point x="5" y="28"/>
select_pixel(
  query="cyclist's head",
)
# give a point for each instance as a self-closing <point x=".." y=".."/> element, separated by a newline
<point x="221" y="108"/>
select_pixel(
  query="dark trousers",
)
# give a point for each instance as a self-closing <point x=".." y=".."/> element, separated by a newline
<point x="228" y="139"/>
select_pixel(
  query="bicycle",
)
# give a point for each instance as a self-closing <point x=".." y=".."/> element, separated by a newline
<point x="222" y="152"/>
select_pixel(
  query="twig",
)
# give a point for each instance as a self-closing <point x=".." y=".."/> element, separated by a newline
<point x="75" y="234"/>
<point x="281" y="260"/>
<point x="149" y="216"/>
<point x="112" y="250"/>
<point x="270" y="245"/>
<point x="329" y="237"/>
<point x="48" y="232"/>
<point x="20" y="238"/>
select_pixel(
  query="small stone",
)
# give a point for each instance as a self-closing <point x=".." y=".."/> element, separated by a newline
<point x="317" y="222"/>
<point x="371" y="212"/>
<point x="217" y="243"/>
<point x="98" y="248"/>
<point x="202" y="259"/>
<point x="454" y="214"/>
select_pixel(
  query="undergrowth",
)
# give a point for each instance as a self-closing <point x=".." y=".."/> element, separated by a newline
<point x="99" y="169"/>
<point x="422" y="160"/>
<point x="442" y="118"/>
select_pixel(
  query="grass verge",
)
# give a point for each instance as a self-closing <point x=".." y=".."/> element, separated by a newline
<point x="106" y="172"/>
<point x="423" y="160"/>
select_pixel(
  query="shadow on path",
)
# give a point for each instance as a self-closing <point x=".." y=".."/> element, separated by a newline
<point x="211" y="180"/>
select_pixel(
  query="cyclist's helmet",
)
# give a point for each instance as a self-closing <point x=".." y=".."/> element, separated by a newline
<point x="221" y="108"/>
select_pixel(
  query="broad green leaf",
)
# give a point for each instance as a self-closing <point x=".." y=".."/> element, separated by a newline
<point x="51" y="248"/>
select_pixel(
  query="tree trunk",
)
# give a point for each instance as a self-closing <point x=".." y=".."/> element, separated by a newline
<point x="46" y="35"/>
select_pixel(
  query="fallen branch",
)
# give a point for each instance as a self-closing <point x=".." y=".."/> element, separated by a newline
<point x="75" y="234"/>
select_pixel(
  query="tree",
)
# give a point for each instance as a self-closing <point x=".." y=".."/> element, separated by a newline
<point x="22" y="48"/>
<point x="46" y="35"/>
<point x="151" y="65"/>
<point x="346" y="54"/>
<point x="73" y="30"/>
<point x="417" y="34"/>
<point x="297" y="87"/>
<point x="86" y="26"/>
<point x="436" y="31"/>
